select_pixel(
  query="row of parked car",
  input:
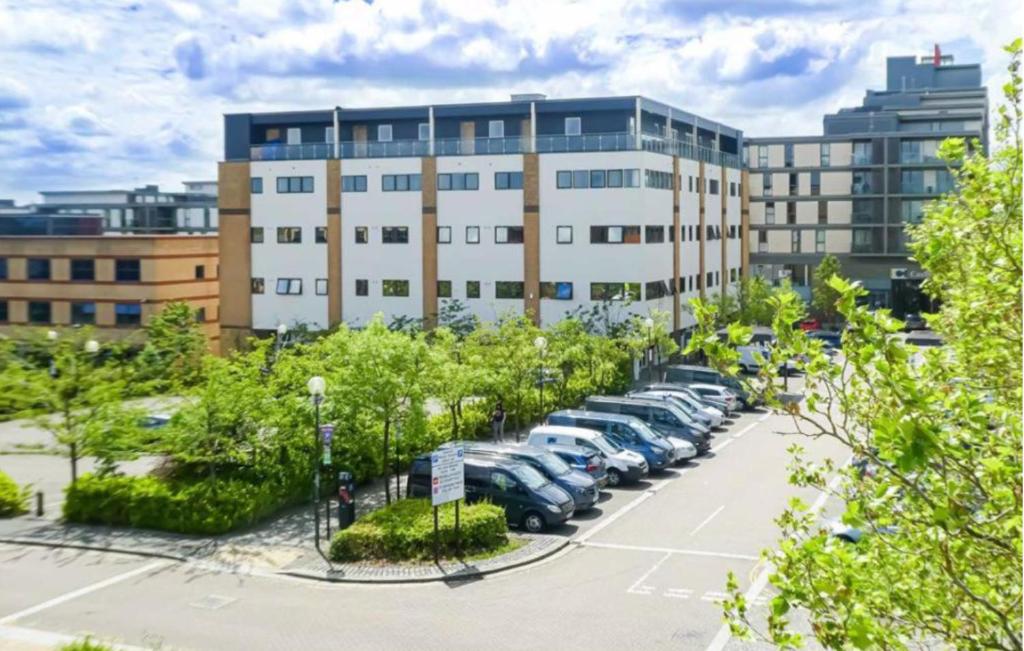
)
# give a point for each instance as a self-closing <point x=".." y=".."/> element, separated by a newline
<point x="609" y="441"/>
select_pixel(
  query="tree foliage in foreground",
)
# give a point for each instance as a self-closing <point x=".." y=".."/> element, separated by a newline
<point x="938" y="429"/>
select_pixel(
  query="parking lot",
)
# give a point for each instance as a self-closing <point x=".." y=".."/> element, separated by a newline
<point x="644" y="570"/>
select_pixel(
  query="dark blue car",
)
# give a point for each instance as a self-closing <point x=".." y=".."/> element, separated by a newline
<point x="627" y="431"/>
<point x="580" y="458"/>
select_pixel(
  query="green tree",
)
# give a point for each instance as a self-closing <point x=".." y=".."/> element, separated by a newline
<point x="172" y="357"/>
<point x="511" y="364"/>
<point x="652" y="333"/>
<point x="938" y="429"/>
<point x="823" y="296"/>
<point x="453" y="373"/>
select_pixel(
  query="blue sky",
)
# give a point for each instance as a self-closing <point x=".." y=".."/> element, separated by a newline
<point x="106" y="93"/>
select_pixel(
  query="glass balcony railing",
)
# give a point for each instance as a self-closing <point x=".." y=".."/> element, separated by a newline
<point x="586" y="142"/>
<point x="389" y="149"/>
<point x="481" y="146"/>
<point x="280" y="151"/>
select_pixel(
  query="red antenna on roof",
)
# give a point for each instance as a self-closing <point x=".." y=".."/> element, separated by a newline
<point x="937" y="56"/>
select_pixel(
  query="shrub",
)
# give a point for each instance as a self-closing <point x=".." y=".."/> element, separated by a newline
<point x="85" y="645"/>
<point x="405" y="530"/>
<point x="13" y="499"/>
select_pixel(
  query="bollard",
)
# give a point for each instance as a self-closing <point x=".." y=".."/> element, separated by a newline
<point x="39" y="504"/>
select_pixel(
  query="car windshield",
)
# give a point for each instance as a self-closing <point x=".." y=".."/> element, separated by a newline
<point x="605" y="446"/>
<point x="530" y="477"/>
<point x="645" y="432"/>
<point x="553" y="464"/>
<point x="683" y="405"/>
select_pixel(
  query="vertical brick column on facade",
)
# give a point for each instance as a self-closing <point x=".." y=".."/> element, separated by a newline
<point x="677" y="314"/>
<point x="745" y="224"/>
<point x="531" y="236"/>
<point x="235" y="219"/>
<point x="723" y="192"/>
<point x="702" y="230"/>
<point x="334" y="242"/>
<point x="429" y="199"/>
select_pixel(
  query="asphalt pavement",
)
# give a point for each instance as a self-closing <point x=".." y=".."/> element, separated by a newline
<point x="646" y="572"/>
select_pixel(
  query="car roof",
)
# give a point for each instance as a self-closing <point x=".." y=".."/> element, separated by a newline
<point x="623" y="399"/>
<point x="564" y="430"/>
<point x="596" y="415"/>
<point x="694" y="367"/>
<point x="498" y="448"/>
<point x="570" y="449"/>
<point x="704" y="385"/>
<point x="481" y="460"/>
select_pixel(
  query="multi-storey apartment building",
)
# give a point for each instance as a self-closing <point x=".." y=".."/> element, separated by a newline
<point x="532" y="206"/>
<point x="142" y="210"/>
<point x="851" y="191"/>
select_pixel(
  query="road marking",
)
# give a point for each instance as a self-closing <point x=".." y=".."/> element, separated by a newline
<point x="671" y="551"/>
<point x="722" y="445"/>
<point x="744" y="430"/>
<point x="639" y="587"/>
<point x="74" y="594"/>
<point x="754" y="592"/>
<point x="678" y="593"/>
<point x="707" y="520"/>
<point x="764" y="418"/>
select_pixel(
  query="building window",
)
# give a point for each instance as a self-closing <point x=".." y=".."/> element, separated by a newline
<point x="394" y="235"/>
<point x="353" y="183"/>
<point x="294" y="135"/>
<point x="38" y="268"/>
<point x="822" y="212"/>
<point x="362" y="235"/>
<point x="508" y="289"/>
<point x="615" y="178"/>
<point x="256" y="235"/>
<point x="39" y="312"/>
<point x="83" y="269"/>
<point x="289" y="235"/>
<point x="766" y="180"/>
<point x="292" y="286"/>
<point x="581" y="179"/>
<point x="563" y="179"/>
<point x="861" y="153"/>
<point x="201" y="315"/>
<point x="657" y="179"/>
<point x="559" y="291"/>
<point x="362" y="287"/>
<point x="819" y="241"/>
<point x="458" y="181"/>
<point x="320" y="287"/>
<point x="396" y="288"/>
<point x="508" y="234"/>
<point x="790" y="212"/>
<point x="3" y="268"/>
<point x="444" y="289"/>
<point x="598" y="178"/>
<point x="573" y="126"/>
<point x="614" y="291"/>
<point x="384" y="133"/>
<point x="787" y="154"/>
<point x="127" y="314"/>
<point x="127" y="270"/>
<point x="656" y="289"/>
<point x="861" y="183"/>
<point x="769" y="212"/>
<point x="508" y="180"/>
<point x="762" y="156"/>
<point x="496" y="129"/>
<point x="794" y="184"/>
<point x="444" y="234"/>
<point x="4" y="315"/>
<point x="762" y="241"/>
<point x="472" y="235"/>
<point x="794" y="240"/>
<point x="815" y="184"/>
<point x="256" y="185"/>
<point x="615" y="235"/>
<point x="423" y="130"/>
<point x="826" y="154"/>
<point x="294" y="184"/>
<point x="654" y="234"/>
<point x="713" y="186"/>
<point x="472" y="289"/>
<point x="400" y="183"/>
<point x="200" y="271"/>
<point x="320" y="234"/>
<point x="563" y="234"/>
<point x="256" y="285"/>
<point x="732" y="188"/>
<point x="83" y="313"/>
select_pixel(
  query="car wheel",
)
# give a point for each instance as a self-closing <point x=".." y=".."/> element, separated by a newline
<point x="533" y="522"/>
<point x="614" y="477"/>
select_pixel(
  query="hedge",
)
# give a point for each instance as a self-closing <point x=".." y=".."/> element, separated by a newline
<point x="13" y="499"/>
<point x="204" y="507"/>
<point x="405" y="531"/>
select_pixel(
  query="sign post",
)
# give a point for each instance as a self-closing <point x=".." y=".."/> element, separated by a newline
<point x="447" y="484"/>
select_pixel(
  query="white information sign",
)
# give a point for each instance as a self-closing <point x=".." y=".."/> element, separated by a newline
<point x="447" y="475"/>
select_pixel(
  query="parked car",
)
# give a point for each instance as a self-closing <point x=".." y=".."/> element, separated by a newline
<point x="529" y="499"/>
<point x="154" y="421"/>
<point x="914" y="321"/>
<point x="583" y="459"/>
<point x="694" y="418"/>
<point x="833" y="340"/>
<point x="685" y="374"/>
<point x="577" y="483"/>
<point x="629" y="432"/>
<point x="623" y="466"/>
<point x="660" y="416"/>
<point x="810" y="324"/>
<point x="709" y="401"/>
<point x="716" y="415"/>
<point x="718" y="392"/>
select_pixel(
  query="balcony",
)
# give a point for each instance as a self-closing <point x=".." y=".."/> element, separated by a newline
<point x="480" y="146"/>
<point x="621" y="141"/>
<point x="279" y="151"/>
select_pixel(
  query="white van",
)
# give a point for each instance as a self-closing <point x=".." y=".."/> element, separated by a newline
<point x="623" y="466"/>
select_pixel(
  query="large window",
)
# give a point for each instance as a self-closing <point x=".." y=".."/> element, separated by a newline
<point x="618" y="178"/>
<point x="127" y="314"/>
<point x="3" y="268"/>
<point x="563" y="234"/>
<point x="444" y="289"/>
<point x="362" y="287"/>
<point x="320" y="287"/>
<point x="508" y="234"/>
<point x="654" y="234"/>
<point x="861" y="183"/>
<point x="320" y="234"/>
<point x="127" y="270"/>
<point x="815" y="184"/>
<point x="787" y="154"/>
<point x="394" y="235"/>
<point x="39" y="312"/>
<point x="822" y="212"/>
<point x="766" y="181"/>
<point x="289" y="286"/>
<point x="615" y="235"/>
<point x="657" y="289"/>
<point x="458" y="181"/>
<point x="472" y="235"/>
<point x="790" y="212"/>
<point x="444" y="234"/>
<point x="819" y="241"/>
<point x="508" y="180"/>
<point x="362" y="235"/>
<point x="496" y="129"/>
<point x="713" y="186"/>
<point x="614" y="291"/>
<point x="472" y="289"/>
<point x="862" y="153"/>
<point x="294" y="184"/>
<point x="762" y="156"/>
<point x="400" y="182"/>
<point x="660" y="180"/>
<point x="256" y="185"/>
<point x="83" y="313"/>
<point x="38" y="268"/>
<point x="769" y="212"/>
<point x="289" y="235"/>
<point x="256" y="235"/>
<point x="396" y="287"/>
<point x="83" y="269"/>
<point x="573" y="126"/>
<point x="423" y="130"/>
<point x="911" y="211"/>
<point x="794" y="241"/>
<point x="825" y="151"/>
<point x="508" y="289"/>
<point x="353" y="183"/>
<point x="558" y="291"/>
<point x="384" y="133"/>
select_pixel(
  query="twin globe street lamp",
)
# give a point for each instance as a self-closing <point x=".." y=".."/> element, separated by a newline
<point x="541" y="344"/>
<point x="316" y="386"/>
<point x="649" y="324"/>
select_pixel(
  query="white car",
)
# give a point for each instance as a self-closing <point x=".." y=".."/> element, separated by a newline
<point x="717" y="392"/>
<point x="622" y="465"/>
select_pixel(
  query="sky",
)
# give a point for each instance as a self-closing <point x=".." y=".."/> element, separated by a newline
<point x="98" y="94"/>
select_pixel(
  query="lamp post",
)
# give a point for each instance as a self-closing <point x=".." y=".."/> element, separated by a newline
<point x="316" y="387"/>
<point x="541" y="344"/>
<point x="649" y="324"/>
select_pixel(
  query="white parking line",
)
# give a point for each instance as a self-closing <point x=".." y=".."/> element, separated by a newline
<point x="638" y="587"/>
<point x="721" y="446"/>
<point x="745" y="430"/>
<point x="707" y="520"/>
<point x="74" y="594"/>
<point x="670" y="551"/>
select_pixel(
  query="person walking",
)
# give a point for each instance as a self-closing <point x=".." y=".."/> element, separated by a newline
<point x="498" y="422"/>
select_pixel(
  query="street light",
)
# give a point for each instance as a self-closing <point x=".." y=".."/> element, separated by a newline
<point x="282" y="330"/>
<point x="316" y="387"/>
<point x="649" y="324"/>
<point x="541" y="344"/>
<point x="92" y="346"/>
<point x="52" y="335"/>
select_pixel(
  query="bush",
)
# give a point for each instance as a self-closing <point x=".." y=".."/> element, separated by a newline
<point x="13" y="499"/>
<point x="203" y="507"/>
<point x="85" y="645"/>
<point x="405" y="531"/>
